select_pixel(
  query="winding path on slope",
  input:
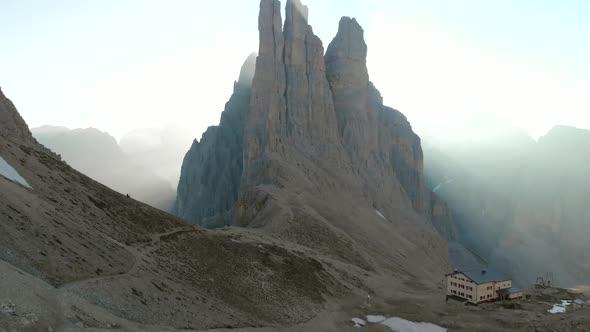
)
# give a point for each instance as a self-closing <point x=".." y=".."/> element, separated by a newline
<point x="137" y="253"/>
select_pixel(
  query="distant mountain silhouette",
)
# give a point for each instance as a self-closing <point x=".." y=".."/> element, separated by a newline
<point x="98" y="155"/>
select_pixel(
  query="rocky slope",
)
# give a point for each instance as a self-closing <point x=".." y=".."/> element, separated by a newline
<point x="75" y="254"/>
<point x="308" y="153"/>
<point x="98" y="155"/>
<point x="520" y="204"/>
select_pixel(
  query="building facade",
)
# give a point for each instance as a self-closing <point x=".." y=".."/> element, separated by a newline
<point x="480" y="286"/>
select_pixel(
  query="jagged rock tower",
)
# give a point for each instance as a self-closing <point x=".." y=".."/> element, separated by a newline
<point x="306" y="151"/>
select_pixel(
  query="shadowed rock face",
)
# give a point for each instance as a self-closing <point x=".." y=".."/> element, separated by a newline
<point x="321" y="154"/>
<point x="212" y="168"/>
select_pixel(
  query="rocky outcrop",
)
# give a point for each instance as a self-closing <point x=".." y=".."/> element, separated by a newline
<point x="11" y="123"/>
<point x="325" y="164"/>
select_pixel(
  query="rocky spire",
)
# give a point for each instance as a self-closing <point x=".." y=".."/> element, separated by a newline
<point x="379" y="140"/>
<point x="349" y="48"/>
<point x="291" y="103"/>
<point x="12" y="125"/>
<point x="266" y="120"/>
<point x="346" y="62"/>
<point x="311" y="118"/>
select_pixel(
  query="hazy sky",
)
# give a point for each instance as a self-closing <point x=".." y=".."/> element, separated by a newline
<point x="122" y="64"/>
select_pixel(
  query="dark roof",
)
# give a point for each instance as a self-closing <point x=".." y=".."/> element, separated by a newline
<point x="480" y="277"/>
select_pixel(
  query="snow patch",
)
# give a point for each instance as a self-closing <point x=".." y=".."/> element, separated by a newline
<point x="560" y="308"/>
<point x="10" y="173"/>
<point x="438" y="186"/>
<point x="375" y="319"/>
<point x="359" y="322"/>
<point x="397" y="324"/>
<point x="380" y="214"/>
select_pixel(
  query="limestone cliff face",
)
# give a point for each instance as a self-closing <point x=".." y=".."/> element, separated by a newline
<point x="212" y="168"/>
<point x="379" y="140"/>
<point x="325" y="163"/>
<point x="291" y="107"/>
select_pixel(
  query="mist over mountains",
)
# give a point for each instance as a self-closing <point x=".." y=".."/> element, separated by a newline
<point x="521" y="205"/>
<point x="508" y="201"/>
<point x="144" y="164"/>
<point x="309" y="204"/>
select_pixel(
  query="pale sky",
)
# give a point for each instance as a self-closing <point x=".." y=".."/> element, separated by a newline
<point x="117" y="65"/>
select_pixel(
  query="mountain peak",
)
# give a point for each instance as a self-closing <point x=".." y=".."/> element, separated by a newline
<point x="12" y="124"/>
<point x="312" y="126"/>
<point x="349" y="42"/>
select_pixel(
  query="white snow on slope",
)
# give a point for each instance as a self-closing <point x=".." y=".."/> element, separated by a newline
<point x="10" y="173"/>
<point x="437" y="188"/>
<point x="358" y="322"/>
<point x="380" y="214"/>
<point x="560" y="308"/>
<point x="375" y="319"/>
<point x="397" y="324"/>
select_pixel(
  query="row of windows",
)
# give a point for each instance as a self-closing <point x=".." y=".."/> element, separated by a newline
<point x="504" y="285"/>
<point x="461" y="294"/>
<point x="461" y="286"/>
<point x="462" y="279"/>
<point x="485" y="297"/>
